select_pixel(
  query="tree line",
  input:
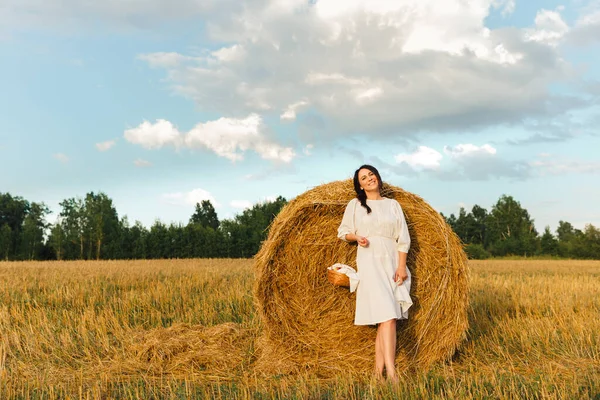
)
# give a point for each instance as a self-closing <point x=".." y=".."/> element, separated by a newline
<point x="508" y="230"/>
<point x="90" y="228"/>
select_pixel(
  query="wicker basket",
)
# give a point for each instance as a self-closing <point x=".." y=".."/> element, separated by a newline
<point x="337" y="278"/>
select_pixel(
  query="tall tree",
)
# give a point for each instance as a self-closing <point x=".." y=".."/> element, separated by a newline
<point x="5" y="241"/>
<point x="480" y="216"/>
<point x="73" y="225"/>
<point x="102" y="223"/>
<point x="248" y="229"/>
<point x="511" y="229"/>
<point x="13" y="211"/>
<point x="548" y="243"/>
<point x="56" y="240"/>
<point x="34" y="226"/>
<point x="205" y="215"/>
<point x="566" y="235"/>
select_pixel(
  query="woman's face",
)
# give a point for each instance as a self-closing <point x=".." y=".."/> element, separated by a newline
<point x="368" y="180"/>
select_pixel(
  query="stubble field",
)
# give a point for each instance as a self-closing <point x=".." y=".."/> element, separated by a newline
<point x="177" y="329"/>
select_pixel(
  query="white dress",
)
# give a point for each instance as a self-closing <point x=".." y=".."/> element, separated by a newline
<point x="386" y="230"/>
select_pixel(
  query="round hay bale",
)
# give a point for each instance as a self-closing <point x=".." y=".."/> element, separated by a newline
<point x="308" y="324"/>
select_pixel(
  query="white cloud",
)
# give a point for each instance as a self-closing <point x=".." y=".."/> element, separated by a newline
<point x="189" y="198"/>
<point x="469" y="150"/>
<point x="229" y="138"/>
<point x="472" y="162"/>
<point x="374" y="65"/>
<point x="550" y="28"/>
<point x="423" y="158"/>
<point x="165" y="59"/>
<point x="561" y="167"/>
<point x="80" y="16"/>
<point x="142" y="163"/>
<point x="587" y="28"/>
<point x="154" y="136"/>
<point x="464" y="162"/>
<point x="240" y="204"/>
<point x="61" y="157"/>
<point x="230" y="54"/>
<point x="308" y="149"/>
<point x="104" y="146"/>
<point x="290" y="113"/>
<point x="226" y="137"/>
<point x="508" y="6"/>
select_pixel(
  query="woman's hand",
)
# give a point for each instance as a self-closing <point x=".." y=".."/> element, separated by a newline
<point x="401" y="275"/>
<point x="362" y="241"/>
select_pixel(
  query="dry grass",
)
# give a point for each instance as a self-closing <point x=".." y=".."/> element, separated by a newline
<point x="188" y="328"/>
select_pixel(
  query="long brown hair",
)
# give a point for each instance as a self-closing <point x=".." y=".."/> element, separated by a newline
<point x="360" y="193"/>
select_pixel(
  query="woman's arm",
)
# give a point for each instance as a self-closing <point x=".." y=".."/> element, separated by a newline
<point x="361" y="240"/>
<point x="401" y="275"/>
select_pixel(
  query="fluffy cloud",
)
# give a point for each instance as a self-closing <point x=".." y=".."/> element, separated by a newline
<point x="423" y="158"/>
<point x="61" y="157"/>
<point x="226" y="137"/>
<point x="104" y="146"/>
<point x="240" y="204"/>
<point x="229" y="138"/>
<point x="550" y="28"/>
<point x="154" y="136"/>
<point x="290" y="113"/>
<point x="142" y="163"/>
<point x="189" y="198"/>
<point x="561" y="167"/>
<point x="587" y="28"/>
<point x="387" y="67"/>
<point x="462" y="151"/>
<point x="113" y="14"/>
<point x="383" y="67"/>
<point x="464" y="162"/>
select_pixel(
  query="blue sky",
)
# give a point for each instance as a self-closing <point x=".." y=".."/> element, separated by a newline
<point x="161" y="104"/>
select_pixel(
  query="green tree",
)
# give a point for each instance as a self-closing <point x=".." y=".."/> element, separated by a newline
<point x="5" y="241"/>
<point x="205" y="215"/>
<point x="56" y="240"/>
<point x="246" y="232"/>
<point x="73" y="227"/>
<point x="102" y="223"/>
<point x="34" y="226"/>
<point x="158" y="241"/>
<point x="566" y="235"/>
<point x="13" y="211"/>
<point x="480" y="216"/>
<point x="548" y="243"/>
<point x="511" y="229"/>
<point x="586" y="243"/>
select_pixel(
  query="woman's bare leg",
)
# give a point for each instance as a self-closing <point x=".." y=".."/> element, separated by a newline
<point x="379" y="355"/>
<point x="388" y="341"/>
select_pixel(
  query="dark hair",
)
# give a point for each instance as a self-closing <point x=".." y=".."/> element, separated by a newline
<point x="360" y="193"/>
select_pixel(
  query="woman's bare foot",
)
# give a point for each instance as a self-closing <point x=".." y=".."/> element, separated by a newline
<point x="378" y="375"/>
<point x="392" y="378"/>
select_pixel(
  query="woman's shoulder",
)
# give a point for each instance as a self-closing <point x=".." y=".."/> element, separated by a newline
<point x="394" y="202"/>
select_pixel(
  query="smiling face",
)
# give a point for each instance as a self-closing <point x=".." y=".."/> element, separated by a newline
<point x="368" y="180"/>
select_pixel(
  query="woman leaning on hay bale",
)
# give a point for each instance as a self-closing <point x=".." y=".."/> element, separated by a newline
<point x="377" y="224"/>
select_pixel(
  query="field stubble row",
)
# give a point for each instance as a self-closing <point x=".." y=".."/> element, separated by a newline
<point x="188" y="328"/>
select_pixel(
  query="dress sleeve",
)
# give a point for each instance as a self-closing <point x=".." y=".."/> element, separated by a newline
<point x="347" y="225"/>
<point x="402" y="235"/>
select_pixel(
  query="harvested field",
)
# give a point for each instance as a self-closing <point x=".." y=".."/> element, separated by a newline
<point x="175" y="329"/>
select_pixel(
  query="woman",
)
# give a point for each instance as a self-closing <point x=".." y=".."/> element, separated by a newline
<point x="377" y="224"/>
